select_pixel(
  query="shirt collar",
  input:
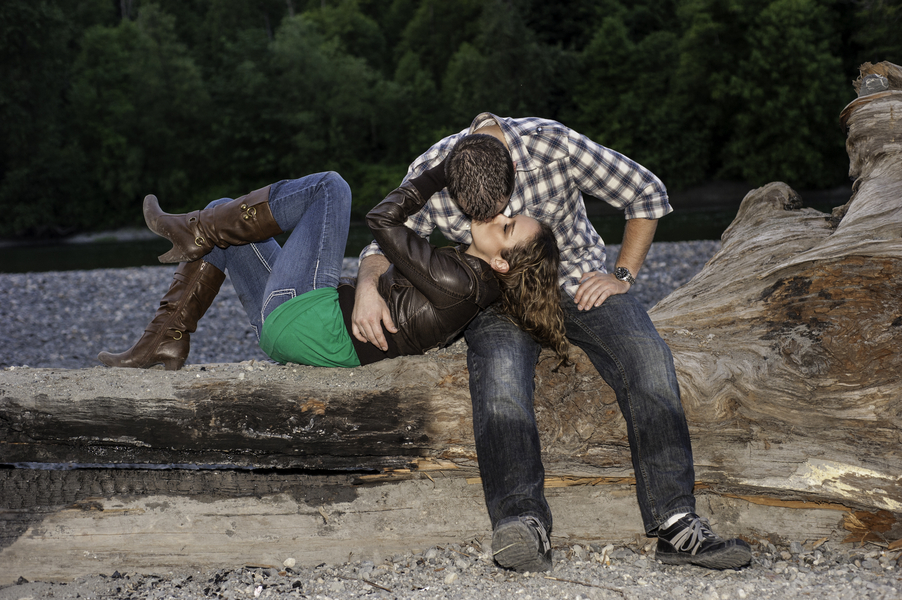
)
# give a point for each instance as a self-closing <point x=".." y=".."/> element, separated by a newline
<point x="512" y="135"/>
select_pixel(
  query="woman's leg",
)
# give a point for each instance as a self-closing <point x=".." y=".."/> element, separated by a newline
<point x="249" y="268"/>
<point x="221" y="224"/>
<point x="317" y="210"/>
<point x="166" y="339"/>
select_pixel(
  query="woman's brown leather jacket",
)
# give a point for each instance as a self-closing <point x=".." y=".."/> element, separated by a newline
<point x="432" y="293"/>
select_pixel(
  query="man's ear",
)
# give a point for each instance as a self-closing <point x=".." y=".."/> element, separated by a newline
<point x="500" y="265"/>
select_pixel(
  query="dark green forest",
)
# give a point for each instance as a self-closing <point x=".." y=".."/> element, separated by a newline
<point x="104" y="101"/>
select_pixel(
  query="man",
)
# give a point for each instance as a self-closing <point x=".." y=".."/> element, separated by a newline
<point x="553" y="166"/>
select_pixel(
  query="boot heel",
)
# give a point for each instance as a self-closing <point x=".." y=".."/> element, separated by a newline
<point x="174" y="256"/>
<point x="173" y="364"/>
<point x="166" y="339"/>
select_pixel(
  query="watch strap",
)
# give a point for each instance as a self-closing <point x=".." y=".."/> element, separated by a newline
<point x="623" y="274"/>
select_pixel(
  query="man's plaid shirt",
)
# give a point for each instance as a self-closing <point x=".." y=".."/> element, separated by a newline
<point x="555" y="166"/>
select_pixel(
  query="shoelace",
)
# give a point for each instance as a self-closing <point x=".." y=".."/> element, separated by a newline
<point x="693" y="536"/>
<point x="540" y="529"/>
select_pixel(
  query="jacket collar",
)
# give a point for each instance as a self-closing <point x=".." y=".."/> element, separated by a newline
<point x="490" y="289"/>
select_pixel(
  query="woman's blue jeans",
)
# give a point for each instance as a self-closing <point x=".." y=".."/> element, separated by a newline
<point x="631" y="357"/>
<point x="317" y="211"/>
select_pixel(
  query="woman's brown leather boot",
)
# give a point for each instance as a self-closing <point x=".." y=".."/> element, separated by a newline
<point x="240" y="221"/>
<point x="166" y="339"/>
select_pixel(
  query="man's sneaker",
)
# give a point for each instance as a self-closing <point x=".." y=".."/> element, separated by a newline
<point x="691" y="541"/>
<point x="521" y="544"/>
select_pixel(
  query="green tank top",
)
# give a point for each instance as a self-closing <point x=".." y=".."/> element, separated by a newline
<point x="309" y="330"/>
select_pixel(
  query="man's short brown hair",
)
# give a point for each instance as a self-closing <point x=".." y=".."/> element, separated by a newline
<point x="480" y="175"/>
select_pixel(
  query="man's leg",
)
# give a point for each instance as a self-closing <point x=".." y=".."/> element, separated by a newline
<point x="631" y="357"/>
<point x="501" y="359"/>
<point x="634" y="360"/>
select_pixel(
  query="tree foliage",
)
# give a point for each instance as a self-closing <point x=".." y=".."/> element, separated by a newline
<point x="103" y="102"/>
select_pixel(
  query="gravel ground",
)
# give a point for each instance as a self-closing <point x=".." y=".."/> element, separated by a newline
<point x="63" y="319"/>
<point x="465" y="572"/>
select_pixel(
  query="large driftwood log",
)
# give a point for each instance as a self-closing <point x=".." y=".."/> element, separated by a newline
<point x="786" y="347"/>
<point x="788" y="342"/>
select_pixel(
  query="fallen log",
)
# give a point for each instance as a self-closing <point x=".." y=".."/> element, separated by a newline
<point x="788" y="341"/>
<point x="786" y="347"/>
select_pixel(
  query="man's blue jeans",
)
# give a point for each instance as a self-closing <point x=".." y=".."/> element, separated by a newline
<point x="631" y="357"/>
<point x="317" y="211"/>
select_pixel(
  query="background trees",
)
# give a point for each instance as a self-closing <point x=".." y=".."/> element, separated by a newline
<point x="103" y="101"/>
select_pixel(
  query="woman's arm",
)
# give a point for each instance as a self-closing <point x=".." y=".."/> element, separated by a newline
<point x="435" y="274"/>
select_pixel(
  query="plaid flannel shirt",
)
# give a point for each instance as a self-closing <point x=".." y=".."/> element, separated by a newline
<point x="554" y="166"/>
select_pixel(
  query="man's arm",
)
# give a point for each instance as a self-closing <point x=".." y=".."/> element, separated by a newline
<point x="596" y="287"/>
<point x="370" y="309"/>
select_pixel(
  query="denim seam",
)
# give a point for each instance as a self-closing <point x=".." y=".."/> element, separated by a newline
<point x="327" y="203"/>
<point x="629" y="398"/>
<point x="262" y="259"/>
<point x="284" y="291"/>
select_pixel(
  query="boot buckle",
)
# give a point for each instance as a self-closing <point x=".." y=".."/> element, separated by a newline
<point x="249" y="211"/>
<point x="199" y="241"/>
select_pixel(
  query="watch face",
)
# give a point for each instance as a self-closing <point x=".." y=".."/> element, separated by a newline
<point x="623" y="274"/>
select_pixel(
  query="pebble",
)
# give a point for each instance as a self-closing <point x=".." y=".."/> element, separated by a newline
<point x="435" y="574"/>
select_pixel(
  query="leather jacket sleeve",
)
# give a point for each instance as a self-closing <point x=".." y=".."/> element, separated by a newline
<point x="437" y="275"/>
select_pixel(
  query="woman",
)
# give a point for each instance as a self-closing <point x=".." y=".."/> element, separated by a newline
<point x="292" y="294"/>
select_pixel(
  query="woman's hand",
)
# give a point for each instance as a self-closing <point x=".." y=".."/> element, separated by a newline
<point x="595" y="287"/>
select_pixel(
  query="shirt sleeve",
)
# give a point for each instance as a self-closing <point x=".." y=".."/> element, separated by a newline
<point x="620" y="181"/>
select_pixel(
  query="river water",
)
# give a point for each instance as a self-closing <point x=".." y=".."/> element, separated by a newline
<point x="701" y="214"/>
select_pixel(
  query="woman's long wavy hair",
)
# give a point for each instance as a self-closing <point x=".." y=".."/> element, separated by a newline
<point x="530" y="294"/>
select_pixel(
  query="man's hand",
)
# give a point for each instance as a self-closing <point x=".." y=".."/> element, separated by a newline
<point x="596" y="287"/>
<point x="370" y="309"/>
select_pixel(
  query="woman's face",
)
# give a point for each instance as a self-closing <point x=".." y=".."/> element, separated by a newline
<point x="500" y="233"/>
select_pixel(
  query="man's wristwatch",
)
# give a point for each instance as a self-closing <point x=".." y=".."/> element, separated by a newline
<point x="623" y="274"/>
